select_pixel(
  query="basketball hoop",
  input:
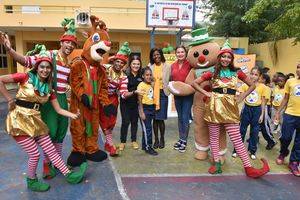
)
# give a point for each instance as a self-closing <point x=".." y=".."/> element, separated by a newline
<point x="171" y="24"/>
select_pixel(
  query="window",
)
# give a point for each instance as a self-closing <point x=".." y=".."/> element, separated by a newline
<point x="8" y="9"/>
<point x="3" y="57"/>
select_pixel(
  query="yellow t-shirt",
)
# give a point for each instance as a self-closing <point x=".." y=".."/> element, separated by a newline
<point x="292" y="88"/>
<point x="148" y="93"/>
<point x="157" y="74"/>
<point x="278" y="95"/>
<point x="268" y="95"/>
<point x="254" y="98"/>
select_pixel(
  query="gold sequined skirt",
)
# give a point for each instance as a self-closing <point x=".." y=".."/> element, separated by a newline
<point x="25" y="121"/>
<point x="221" y="108"/>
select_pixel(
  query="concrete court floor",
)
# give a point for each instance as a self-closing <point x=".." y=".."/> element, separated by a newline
<point x="170" y="175"/>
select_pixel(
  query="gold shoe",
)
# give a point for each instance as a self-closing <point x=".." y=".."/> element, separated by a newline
<point x="122" y="146"/>
<point x="135" y="145"/>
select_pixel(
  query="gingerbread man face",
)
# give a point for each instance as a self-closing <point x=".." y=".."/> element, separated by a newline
<point x="204" y="55"/>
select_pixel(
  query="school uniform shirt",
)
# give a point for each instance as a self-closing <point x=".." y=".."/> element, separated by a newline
<point x="254" y="98"/>
<point x="148" y="93"/>
<point x="278" y="95"/>
<point x="292" y="88"/>
<point x="268" y="95"/>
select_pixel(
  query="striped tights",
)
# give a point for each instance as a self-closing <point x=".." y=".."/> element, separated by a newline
<point x="30" y="146"/>
<point x="233" y="131"/>
<point x="58" y="147"/>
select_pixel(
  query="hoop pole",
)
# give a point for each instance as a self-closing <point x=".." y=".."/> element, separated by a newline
<point x="152" y="38"/>
<point x="178" y="36"/>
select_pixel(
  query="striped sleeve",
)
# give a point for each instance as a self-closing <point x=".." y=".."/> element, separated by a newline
<point x="123" y="87"/>
<point x="30" y="61"/>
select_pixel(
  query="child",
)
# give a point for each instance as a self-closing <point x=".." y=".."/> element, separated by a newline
<point x="147" y="110"/>
<point x="222" y="109"/>
<point x="265" y="126"/>
<point x="253" y="111"/>
<point x="24" y="122"/>
<point x="291" y="123"/>
<point x="277" y="97"/>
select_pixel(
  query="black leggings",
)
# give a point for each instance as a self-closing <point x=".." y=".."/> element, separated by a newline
<point x="130" y="116"/>
<point x="159" y="124"/>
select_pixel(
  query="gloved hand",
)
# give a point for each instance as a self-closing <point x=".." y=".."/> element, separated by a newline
<point x="85" y="100"/>
<point x="110" y="110"/>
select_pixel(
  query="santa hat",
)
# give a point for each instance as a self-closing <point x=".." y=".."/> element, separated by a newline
<point x="226" y="48"/>
<point x="42" y="54"/>
<point x="70" y="31"/>
<point x="122" y="54"/>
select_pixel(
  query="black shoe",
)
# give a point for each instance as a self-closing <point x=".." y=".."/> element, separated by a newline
<point x="156" y="144"/>
<point x="98" y="156"/>
<point x="76" y="159"/>
<point x="182" y="148"/>
<point x="177" y="145"/>
<point x="270" y="146"/>
<point x="151" y="151"/>
<point x="161" y="143"/>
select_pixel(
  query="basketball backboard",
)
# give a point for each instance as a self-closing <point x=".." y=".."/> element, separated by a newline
<point x="170" y="13"/>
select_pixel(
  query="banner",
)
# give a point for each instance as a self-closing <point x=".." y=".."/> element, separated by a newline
<point x="245" y="62"/>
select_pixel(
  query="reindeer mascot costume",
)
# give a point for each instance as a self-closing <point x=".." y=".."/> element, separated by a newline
<point x="202" y="56"/>
<point x="89" y="89"/>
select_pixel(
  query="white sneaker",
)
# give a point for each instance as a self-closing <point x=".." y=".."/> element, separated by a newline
<point x="253" y="157"/>
<point x="234" y="155"/>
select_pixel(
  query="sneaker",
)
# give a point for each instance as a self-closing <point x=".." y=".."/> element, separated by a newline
<point x="234" y="155"/>
<point x="270" y="146"/>
<point x="280" y="159"/>
<point x="177" y="145"/>
<point x="253" y="156"/>
<point x="294" y="168"/>
<point x="151" y="151"/>
<point x="182" y="148"/>
<point x="135" y="145"/>
<point x="121" y="146"/>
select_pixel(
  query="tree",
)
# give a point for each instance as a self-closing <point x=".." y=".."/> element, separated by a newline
<point x="226" y="18"/>
<point x="285" y="25"/>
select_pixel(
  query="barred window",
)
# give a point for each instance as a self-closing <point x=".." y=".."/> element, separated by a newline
<point x="3" y="57"/>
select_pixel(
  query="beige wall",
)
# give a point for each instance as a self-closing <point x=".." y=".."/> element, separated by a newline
<point x="279" y="56"/>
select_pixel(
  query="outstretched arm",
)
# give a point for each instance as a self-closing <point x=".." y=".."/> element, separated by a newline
<point x="63" y="112"/>
<point x="4" y="40"/>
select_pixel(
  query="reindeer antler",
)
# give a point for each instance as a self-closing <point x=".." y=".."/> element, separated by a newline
<point x="96" y="22"/>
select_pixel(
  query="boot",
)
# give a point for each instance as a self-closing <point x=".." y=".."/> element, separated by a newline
<point x="76" y="177"/>
<point x="37" y="186"/>
<point x="49" y="171"/>
<point x="76" y="159"/>
<point x="215" y="168"/>
<point x="256" y="173"/>
<point x="162" y="142"/>
<point x="98" y="156"/>
<point x="156" y="143"/>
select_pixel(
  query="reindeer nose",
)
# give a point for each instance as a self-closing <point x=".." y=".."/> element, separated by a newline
<point x="107" y="43"/>
<point x="201" y="59"/>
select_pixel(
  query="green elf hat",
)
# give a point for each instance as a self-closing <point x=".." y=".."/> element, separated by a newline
<point x="226" y="48"/>
<point x="123" y="53"/>
<point x="42" y="54"/>
<point x="70" y="31"/>
<point x="200" y="36"/>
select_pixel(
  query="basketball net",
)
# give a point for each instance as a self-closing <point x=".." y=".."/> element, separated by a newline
<point x="172" y="26"/>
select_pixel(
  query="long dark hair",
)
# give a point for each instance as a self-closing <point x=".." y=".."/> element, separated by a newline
<point x="162" y="57"/>
<point x="49" y="78"/>
<point x="218" y="67"/>
<point x="130" y="60"/>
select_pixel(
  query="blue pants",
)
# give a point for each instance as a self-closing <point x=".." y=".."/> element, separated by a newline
<point x="183" y="106"/>
<point x="265" y="126"/>
<point x="291" y="125"/>
<point x="250" y="116"/>
<point x="149" y="111"/>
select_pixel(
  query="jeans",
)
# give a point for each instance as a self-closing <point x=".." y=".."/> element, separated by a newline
<point x="183" y="106"/>
<point x="130" y="115"/>
<point x="291" y="125"/>
<point x="250" y="116"/>
<point x="149" y="111"/>
<point x="266" y="128"/>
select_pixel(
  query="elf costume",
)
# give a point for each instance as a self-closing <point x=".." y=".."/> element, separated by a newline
<point x="57" y="124"/>
<point x="117" y="85"/>
<point x="89" y="91"/>
<point x="26" y="126"/>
